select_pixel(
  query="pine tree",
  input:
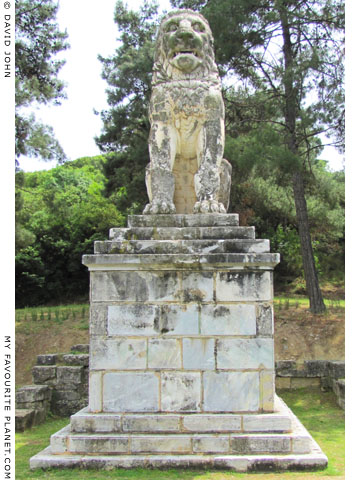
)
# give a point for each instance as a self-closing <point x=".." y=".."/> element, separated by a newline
<point x="38" y="41"/>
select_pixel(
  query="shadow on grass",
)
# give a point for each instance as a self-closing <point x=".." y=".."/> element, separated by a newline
<point x="317" y="411"/>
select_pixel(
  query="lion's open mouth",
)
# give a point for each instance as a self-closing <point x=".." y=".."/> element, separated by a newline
<point x="185" y="52"/>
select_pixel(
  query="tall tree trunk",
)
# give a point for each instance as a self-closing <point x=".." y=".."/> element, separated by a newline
<point x="317" y="304"/>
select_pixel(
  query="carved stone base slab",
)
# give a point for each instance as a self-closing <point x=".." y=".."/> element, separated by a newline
<point x="248" y="449"/>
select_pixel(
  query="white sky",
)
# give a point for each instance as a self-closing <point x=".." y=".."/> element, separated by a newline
<point x="92" y="31"/>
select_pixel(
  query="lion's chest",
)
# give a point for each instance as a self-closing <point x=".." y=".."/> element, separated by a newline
<point x="185" y="109"/>
<point x="176" y="103"/>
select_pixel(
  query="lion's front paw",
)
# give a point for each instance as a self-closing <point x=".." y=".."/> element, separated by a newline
<point x="209" y="206"/>
<point x="156" y="208"/>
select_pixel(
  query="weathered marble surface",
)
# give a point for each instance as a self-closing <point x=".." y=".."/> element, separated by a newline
<point x="231" y="391"/>
<point x="187" y="133"/>
<point x="237" y="442"/>
<point x="195" y="324"/>
<point x="135" y="392"/>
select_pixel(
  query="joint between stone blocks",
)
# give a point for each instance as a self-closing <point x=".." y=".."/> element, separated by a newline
<point x="181" y="341"/>
<point x="214" y="287"/>
<point x="215" y="353"/>
<point x="158" y="375"/>
<point x="201" y="391"/>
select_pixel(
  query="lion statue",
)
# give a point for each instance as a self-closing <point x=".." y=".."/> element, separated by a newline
<point x="186" y="140"/>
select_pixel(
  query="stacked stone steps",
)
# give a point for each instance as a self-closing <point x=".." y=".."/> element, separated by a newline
<point x="231" y="434"/>
<point x="241" y="442"/>
<point x="67" y="375"/>
<point x="178" y="241"/>
<point x="181" y="234"/>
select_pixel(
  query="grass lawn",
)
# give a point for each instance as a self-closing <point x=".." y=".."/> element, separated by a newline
<point x="318" y="412"/>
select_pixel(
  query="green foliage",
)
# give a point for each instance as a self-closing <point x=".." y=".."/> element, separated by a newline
<point x="23" y="237"/>
<point x="38" y="41"/>
<point x="125" y="172"/>
<point x="65" y="211"/>
<point x="263" y="197"/>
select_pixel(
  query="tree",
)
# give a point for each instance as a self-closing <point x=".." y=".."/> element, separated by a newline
<point x="38" y="41"/>
<point x="64" y="211"/>
<point x="126" y="124"/>
<point x="292" y="51"/>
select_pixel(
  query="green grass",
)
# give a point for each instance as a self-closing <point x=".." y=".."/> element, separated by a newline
<point x="304" y="301"/>
<point x="318" y="412"/>
<point x="56" y="313"/>
<point x="34" y="319"/>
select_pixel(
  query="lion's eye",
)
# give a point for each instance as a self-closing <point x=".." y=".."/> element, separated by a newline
<point x="198" y="27"/>
<point x="172" y="27"/>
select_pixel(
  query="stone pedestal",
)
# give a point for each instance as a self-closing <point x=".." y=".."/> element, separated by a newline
<point x="182" y="353"/>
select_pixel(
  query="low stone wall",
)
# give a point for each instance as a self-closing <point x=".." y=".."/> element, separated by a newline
<point x="67" y="375"/>
<point x="32" y="406"/>
<point x="61" y="383"/>
<point x="325" y="374"/>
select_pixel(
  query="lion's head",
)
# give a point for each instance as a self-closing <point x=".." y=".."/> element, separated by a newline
<point x="184" y="48"/>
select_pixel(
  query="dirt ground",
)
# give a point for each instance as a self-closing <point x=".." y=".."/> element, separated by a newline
<point x="35" y="341"/>
<point x="300" y="336"/>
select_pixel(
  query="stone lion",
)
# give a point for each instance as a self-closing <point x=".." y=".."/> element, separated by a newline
<point x="186" y="141"/>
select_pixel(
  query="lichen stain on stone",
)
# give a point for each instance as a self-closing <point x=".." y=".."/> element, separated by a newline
<point x="133" y="286"/>
<point x="193" y="295"/>
<point x="221" y="311"/>
<point x="161" y="324"/>
<point x="155" y="235"/>
<point x="163" y="285"/>
<point x="188" y="382"/>
<point x="115" y="250"/>
<point x="189" y="406"/>
<point x="156" y="324"/>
